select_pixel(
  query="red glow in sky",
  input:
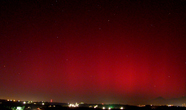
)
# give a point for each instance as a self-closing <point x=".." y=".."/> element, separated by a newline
<point x="92" y="51"/>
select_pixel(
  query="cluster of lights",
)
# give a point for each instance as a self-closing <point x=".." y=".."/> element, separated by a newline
<point x="109" y="108"/>
<point x="51" y="106"/>
<point x="105" y="108"/>
<point x="74" y="105"/>
<point x="13" y="100"/>
<point x="141" y="105"/>
<point x="27" y="102"/>
<point x="169" y="105"/>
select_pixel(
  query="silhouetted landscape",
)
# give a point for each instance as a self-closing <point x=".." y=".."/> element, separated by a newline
<point x="29" y="105"/>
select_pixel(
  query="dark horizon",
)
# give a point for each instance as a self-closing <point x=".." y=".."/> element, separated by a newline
<point x="11" y="105"/>
<point x="92" y="51"/>
<point x="156" y="101"/>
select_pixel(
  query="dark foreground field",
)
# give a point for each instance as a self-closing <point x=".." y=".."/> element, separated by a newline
<point x="19" y="105"/>
<point x="85" y="108"/>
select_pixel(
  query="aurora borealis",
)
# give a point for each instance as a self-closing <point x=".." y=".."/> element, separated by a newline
<point x="95" y="51"/>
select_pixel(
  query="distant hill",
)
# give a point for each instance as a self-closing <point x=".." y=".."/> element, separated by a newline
<point x="163" y="101"/>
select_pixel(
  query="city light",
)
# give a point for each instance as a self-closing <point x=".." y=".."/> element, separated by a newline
<point x="74" y="105"/>
<point x="169" y="105"/>
<point x="95" y="106"/>
<point x="103" y="108"/>
<point x="19" y="108"/>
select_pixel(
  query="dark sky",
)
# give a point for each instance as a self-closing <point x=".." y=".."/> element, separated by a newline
<point x="110" y="51"/>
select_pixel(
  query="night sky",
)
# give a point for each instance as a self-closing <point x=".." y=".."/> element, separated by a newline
<point x="95" y="51"/>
